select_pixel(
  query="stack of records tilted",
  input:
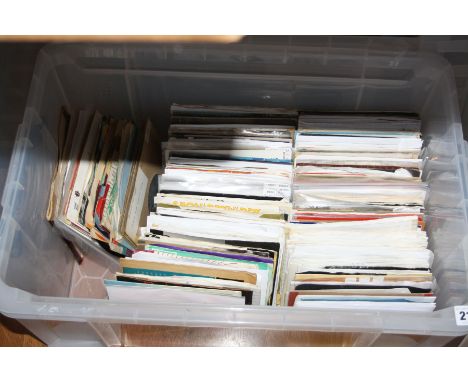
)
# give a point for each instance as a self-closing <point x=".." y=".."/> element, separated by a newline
<point x="102" y="179"/>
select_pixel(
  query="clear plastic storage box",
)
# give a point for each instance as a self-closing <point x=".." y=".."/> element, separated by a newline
<point x="64" y="303"/>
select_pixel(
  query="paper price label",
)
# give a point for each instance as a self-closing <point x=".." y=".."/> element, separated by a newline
<point x="287" y="154"/>
<point x="461" y="315"/>
<point x="276" y="190"/>
<point x="364" y="279"/>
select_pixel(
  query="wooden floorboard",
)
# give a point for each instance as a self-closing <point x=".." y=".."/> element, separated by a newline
<point x="12" y="333"/>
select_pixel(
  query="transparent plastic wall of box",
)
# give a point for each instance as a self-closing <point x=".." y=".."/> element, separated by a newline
<point x="142" y="81"/>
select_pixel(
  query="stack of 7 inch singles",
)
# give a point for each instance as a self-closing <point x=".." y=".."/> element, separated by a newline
<point x="102" y="178"/>
<point x="356" y="238"/>
<point x="217" y="235"/>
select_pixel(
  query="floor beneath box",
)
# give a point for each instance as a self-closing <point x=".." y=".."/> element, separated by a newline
<point x="12" y="333"/>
